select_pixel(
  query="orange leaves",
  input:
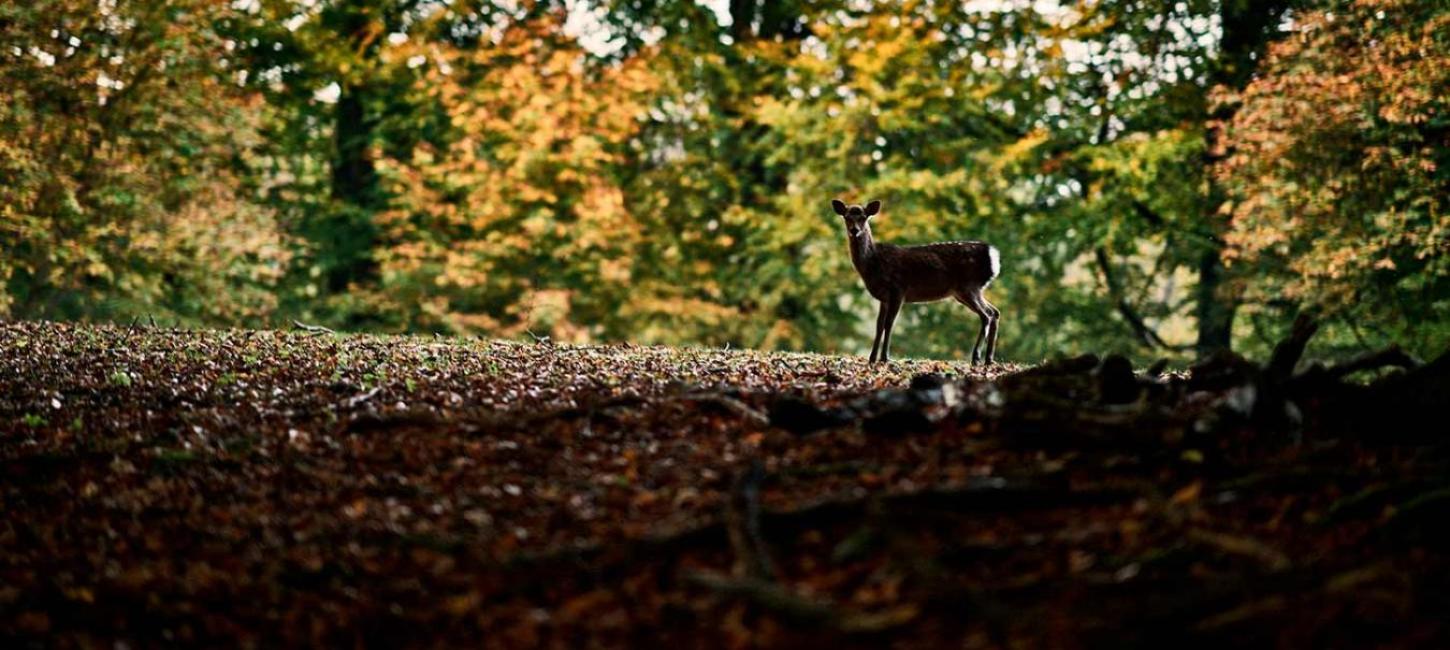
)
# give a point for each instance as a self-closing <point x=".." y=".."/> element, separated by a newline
<point x="524" y="182"/>
<point x="1328" y="144"/>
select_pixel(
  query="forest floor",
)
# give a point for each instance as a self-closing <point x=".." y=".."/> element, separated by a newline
<point x="263" y="488"/>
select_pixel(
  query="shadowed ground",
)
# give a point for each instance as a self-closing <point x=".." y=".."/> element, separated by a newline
<point x="279" y="488"/>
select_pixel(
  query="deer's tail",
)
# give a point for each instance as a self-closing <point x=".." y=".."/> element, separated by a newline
<point x="994" y="264"/>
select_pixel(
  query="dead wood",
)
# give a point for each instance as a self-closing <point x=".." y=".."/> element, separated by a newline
<point x="730" y="405"/>
<point x="314" y="329"/>
<point x="1287" y="353"/>
<point x="1390" y="357"/>
<point x="797" y="609"/>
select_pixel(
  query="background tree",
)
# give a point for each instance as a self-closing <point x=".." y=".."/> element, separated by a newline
<point x="1163" y="178"/>
<point x="514" y="219"/>
<point x="1073" y="136"/>
<point x="1335" y="164"/>
<point x="337" y="95"/>
<point x="122" y="149"/>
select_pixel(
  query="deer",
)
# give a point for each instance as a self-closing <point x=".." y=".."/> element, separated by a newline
<point x="895" y="275"/>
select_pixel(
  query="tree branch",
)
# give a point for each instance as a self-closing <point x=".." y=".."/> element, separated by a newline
<point x="1145" y="333"/>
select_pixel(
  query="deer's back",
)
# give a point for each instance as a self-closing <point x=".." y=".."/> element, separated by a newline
<point x="929" y="272"/>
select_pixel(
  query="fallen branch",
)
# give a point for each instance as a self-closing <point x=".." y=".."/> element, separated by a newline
<point x="801" y="610"/>
<point x="1271" y="606"/>
<point x="355" y="400"/>
<point x="730" y="404"/>
<point x="1270" y="557"/>
<point x="1403" y="406"/>
<point x="1390" y="357"/>
<point x="1063" y="366"/>
<point x="315" y="329"/>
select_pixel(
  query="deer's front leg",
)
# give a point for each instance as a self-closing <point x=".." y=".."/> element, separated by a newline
<point x="889" y="309"/>
<point x="876" y="342"/>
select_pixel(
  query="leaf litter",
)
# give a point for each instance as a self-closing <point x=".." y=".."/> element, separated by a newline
<point x="270" y="488"/>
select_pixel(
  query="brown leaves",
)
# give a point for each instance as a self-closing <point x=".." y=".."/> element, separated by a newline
<point x="303" y="488"/>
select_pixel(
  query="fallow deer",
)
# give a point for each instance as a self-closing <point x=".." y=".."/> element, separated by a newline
<point x="899" y="274"/>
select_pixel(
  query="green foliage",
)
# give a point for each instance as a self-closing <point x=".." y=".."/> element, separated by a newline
<point x="481" y="168"/>
<point x="970" y="125"/>
<point x="1338" y="172"/>
<point x="119" y="139"/>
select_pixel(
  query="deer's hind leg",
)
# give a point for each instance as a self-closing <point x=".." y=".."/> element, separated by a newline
<point x="992" y="314"/>
<point x="973" y="300"/>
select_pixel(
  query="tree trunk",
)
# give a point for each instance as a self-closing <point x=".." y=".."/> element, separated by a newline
<point x="742" y="20"/>
<point x="1215" y="309"/>
<point x="1248" y="26"/>
<point x="354" y="178"/>
<point x="349" y="231"/>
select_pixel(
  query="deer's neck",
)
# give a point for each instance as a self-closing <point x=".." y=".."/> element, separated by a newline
<point x="863" y="249"/>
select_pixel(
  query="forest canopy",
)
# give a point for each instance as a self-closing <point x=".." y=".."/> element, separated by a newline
<point x="1162" y="178"/>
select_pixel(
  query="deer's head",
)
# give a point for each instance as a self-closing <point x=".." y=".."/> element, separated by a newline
<point x="857" y="218"/>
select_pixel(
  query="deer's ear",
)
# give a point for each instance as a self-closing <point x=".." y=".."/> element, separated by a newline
<point x="839" y="206"/>
<point x="872" y="208"/>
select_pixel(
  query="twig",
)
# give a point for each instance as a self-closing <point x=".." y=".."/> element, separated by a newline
<point x="1145" y="333"/>
<point x="353" y="401"/>
<point x="1272" y="605"/>
<point x="751" y="414"/>
<point x="795" y="608"/>
<point x="1248" y="547"/>
<point x="315" y="329"/>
